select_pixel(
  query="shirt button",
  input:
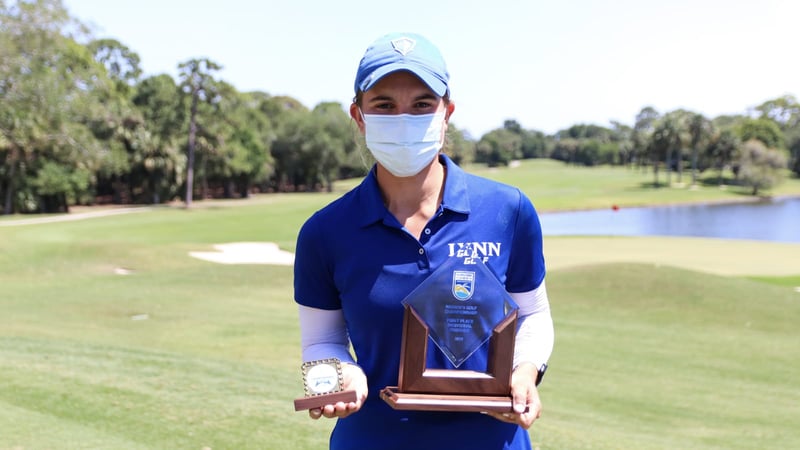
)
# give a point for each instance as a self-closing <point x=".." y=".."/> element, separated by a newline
<point x="422" y="251"/>
<point x="427" y="231"/>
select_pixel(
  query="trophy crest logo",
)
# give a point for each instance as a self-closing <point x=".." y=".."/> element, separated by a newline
<point x="463" y="284"/>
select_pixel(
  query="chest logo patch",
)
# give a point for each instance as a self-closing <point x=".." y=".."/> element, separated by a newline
<point x="463" y="284"/>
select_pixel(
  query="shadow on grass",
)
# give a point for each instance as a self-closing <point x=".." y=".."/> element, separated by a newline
<point x="728" y="184"/>
<point x="716" y="181"/>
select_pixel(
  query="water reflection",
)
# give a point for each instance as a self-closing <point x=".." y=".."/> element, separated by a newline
<point x="776" y="220"/>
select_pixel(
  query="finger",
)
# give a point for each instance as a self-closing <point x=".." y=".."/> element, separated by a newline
<point x="504" y="417"/>
<point x="534" y="412"/>
<point x="526" y="420"/>
<point x="520" y="400"/>
<point x="329" y="411"/>
<point x="315" y="413"/>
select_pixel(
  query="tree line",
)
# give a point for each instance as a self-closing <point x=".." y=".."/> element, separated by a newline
<point x="756" y="147"/>
<point x="79" y="124"/>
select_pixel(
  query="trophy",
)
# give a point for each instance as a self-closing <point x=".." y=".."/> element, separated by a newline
<point x="322" y="380"/>
<point x="459" y="308"/>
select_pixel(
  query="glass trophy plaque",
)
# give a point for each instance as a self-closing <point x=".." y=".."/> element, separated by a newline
<point x="460" y="307"/>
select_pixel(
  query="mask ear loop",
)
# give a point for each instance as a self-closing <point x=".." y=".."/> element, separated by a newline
<point x="363" y="119"/>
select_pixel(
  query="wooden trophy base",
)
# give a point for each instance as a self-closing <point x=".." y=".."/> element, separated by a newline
<point x="318" y="401"/>
<point x="442" y="402"/>
<point x="423" y="389"/>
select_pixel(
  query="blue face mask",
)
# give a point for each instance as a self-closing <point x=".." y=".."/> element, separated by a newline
<point x="404" y="144"/>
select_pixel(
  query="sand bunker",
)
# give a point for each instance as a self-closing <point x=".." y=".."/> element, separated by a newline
<point x="247" y="253"/>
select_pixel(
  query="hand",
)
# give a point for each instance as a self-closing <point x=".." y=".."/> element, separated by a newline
<point x="353" y="379"/>
<point x="524" y="394"/>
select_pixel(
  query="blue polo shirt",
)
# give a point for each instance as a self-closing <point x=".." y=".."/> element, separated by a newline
<point x="354" y="255"/>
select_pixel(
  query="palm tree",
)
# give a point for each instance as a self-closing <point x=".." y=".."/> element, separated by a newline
<point x="667" y="140"/>
<point x="700" y="130"/>
<point x="197" y="82"/>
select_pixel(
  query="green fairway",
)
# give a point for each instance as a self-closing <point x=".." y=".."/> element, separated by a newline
<point x="554" y="186"/>
<point x="650" y="357"/>
<point x="113" y="337"/>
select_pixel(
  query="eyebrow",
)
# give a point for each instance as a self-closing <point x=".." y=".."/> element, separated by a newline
<point x="426" y="96"/>
<point x="383" y="98"/>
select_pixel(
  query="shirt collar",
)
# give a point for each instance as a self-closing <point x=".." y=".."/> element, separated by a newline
<point x="455" y="197"/>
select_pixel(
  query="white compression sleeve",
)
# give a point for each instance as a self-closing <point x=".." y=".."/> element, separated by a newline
<point x="535" y="335"/>
<point x="323" y="334"/>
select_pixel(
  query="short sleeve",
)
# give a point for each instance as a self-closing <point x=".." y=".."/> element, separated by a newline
<point x="526" y="267"/>
<point x="313" y="270"/>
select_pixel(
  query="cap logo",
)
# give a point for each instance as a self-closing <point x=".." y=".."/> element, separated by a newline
<point x="403" y="45"/>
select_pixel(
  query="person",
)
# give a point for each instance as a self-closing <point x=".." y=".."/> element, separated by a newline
<point x="361" y="255"/>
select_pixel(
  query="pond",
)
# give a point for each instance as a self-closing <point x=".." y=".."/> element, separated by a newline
<point x="771" y="220"/>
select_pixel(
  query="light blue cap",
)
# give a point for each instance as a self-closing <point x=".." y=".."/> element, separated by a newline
<point x="403" y="51"/>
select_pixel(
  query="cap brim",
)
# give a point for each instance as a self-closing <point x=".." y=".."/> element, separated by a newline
<point x="433" y="82"/>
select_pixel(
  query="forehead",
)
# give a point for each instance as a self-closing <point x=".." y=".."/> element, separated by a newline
<point x="400" y="82"/>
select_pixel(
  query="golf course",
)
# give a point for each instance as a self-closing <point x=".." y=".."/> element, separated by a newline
<point x="113" y="336"/>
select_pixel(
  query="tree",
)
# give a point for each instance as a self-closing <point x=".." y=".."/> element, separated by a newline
<point x="247" y="139"/>
<point x="623" y="137"/>
<point x="785" y="111"/>
<point x="643" y="129"/>
<point x="121" y="126"/>
<point x="512" y="126"/>
<point x="795" y="155"/>
<point x="565" y="149"/>
<point x="122" y="64"/>
<point x="533" y="144"/>
<point x="460" y="149"/>
<point x="329" y="142"/>
<point x="314" y="148"/>
<point x="700" y="131"/>
<point x="158" y="99"/>
<point x="588" y="145"/>
<point x="286" y="114"/>
<point x="586" y="131"/>
<point x="47" y="81"/>
<point x="667" y="141"/>
<point x="764" y="130"/>
<point x="498" y="147"/>
<point x="722" y="148"/>
<point x="199" y="84"/>
<point x="760" y="167"/>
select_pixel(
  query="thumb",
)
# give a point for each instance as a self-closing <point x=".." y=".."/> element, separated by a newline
<point x="520" y="401"/>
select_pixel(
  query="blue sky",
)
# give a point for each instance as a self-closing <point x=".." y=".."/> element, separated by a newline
<point x="547" y="64"/>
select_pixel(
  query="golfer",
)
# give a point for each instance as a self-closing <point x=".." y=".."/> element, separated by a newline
<point x="359" y="256"/>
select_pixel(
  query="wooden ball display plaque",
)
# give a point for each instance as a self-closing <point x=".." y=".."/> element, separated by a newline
<point x="322" y="381"/>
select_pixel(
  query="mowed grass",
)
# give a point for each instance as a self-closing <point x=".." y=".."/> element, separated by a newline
<point x="186" y="354"/>
<point x="650" y="357"/>
<point x="554" y="186"/>
<point x="180" y="353"/>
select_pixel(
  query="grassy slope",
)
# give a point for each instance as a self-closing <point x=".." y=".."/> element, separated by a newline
<point x="646" y="356"/>
<point x="215" y="364"/>
<point x="658" y="357"/>
<point x="718" y="256"/>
